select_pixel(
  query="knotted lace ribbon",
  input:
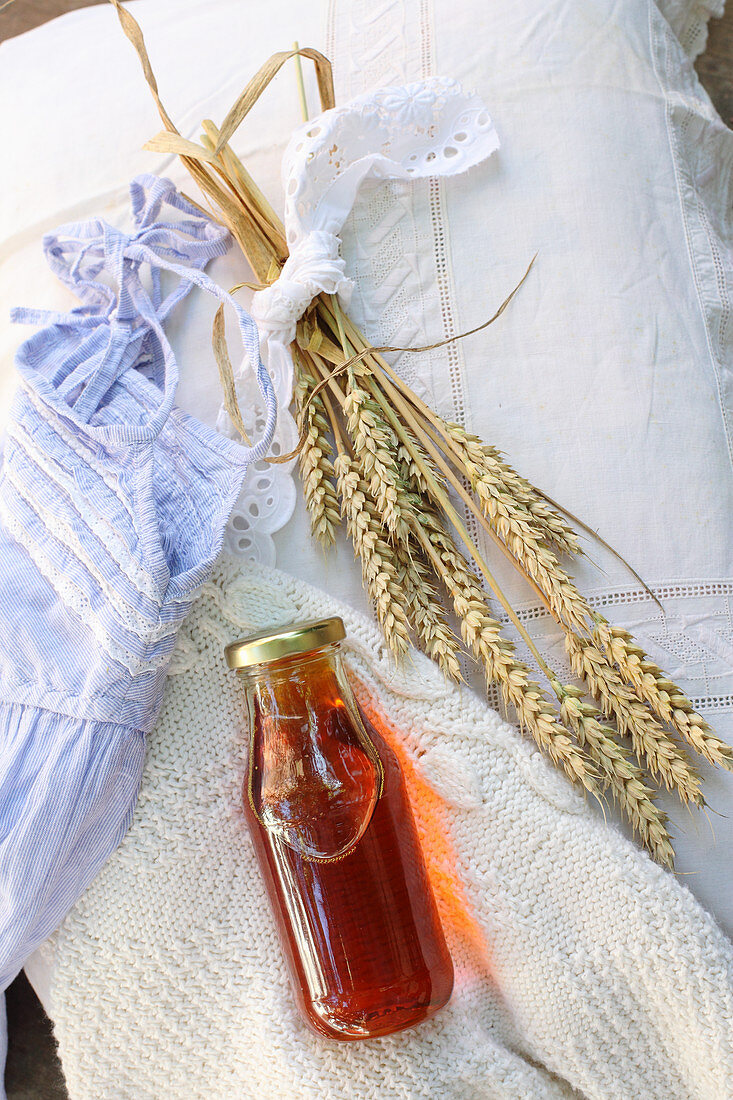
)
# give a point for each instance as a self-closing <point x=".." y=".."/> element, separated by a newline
<point x="429" y="128"/>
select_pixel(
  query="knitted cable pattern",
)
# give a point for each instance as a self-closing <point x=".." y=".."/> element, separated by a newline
<point x="581" y="967"/>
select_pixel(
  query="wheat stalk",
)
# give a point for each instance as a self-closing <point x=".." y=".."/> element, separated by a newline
<point x="314" y="459"/>
<point x="482" y="634"/>
<point x="569" y="608"/>
<point x="419" y="603"/>
<point x="537" y="562"/>
<point x="401" y="475"/>
<point x="624" y="779"/>
<point x="518" y="529"/>
<point x="666" y="700"/>
<point x="411" y="473"/>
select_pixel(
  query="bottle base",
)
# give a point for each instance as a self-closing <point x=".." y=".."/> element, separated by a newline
<point x="347" y="1021"/>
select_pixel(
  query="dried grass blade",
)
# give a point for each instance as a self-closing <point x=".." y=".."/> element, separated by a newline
<point x="132" y="29"/>
<point x="252" y="242"/>
<point x="167" y="142"/>
<point x="262" y="78"/>
<point x="256" y="251"/>
<point x="335" y="317"/>
<point x="247" y="191"/>
<point x="261" y="227"/>
<point x="226" y="374"/>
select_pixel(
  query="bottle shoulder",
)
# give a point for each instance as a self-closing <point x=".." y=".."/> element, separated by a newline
<point x="387" y="755"/>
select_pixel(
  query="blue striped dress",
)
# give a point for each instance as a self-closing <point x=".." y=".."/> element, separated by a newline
<point x="112" y="508"/>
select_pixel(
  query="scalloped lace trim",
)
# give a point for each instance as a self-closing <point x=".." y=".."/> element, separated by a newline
<point x="268" y="494"/>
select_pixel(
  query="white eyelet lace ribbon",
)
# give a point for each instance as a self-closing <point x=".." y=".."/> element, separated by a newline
<point x="429" y="128"/>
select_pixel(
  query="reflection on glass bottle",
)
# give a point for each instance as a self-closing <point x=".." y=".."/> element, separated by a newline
<point x="328" y="811"/>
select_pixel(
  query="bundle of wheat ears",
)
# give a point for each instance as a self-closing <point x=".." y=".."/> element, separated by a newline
<point x="374" y="457"/>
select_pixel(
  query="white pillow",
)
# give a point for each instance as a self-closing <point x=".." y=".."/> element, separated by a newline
<point x="608" y="381"/>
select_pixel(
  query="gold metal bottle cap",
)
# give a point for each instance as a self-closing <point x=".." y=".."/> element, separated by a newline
<point x="284" y="641"/>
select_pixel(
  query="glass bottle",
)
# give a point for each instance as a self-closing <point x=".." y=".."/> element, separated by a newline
<point x="327" y="808"/>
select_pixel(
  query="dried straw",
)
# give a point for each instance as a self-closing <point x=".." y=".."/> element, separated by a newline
<point x="403" y="474"/>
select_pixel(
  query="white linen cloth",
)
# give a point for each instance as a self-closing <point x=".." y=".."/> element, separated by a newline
<point x="608" y="380"/>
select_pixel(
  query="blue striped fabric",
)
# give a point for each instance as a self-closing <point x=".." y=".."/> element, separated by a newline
<point x="112" y="509"/>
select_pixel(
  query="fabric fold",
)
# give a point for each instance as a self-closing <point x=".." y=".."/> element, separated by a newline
<point x="117" y="498"/>
<point x="67" y="796"/>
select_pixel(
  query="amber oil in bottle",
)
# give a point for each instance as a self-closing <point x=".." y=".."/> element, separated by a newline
<point x="327" y="807"/>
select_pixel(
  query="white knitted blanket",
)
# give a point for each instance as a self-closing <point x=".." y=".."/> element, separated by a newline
<point x="581" y="968"/>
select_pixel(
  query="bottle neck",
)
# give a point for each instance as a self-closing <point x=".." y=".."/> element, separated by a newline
<point x="298" y="682"/>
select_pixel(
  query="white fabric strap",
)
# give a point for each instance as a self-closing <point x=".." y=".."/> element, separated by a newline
<point x="313" y="267"/>
<point x="429" y="128"/>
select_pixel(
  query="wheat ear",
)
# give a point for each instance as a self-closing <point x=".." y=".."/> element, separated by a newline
<point x="512" y="528"/>
<point x="375" y="447"/>
<point x="665" y="698"/>
<point x="521" y="535"/>
<point x="425" y="611"/>
<point x="495" y="653"/>
<point x="381" y="580"/>
<point x="514" y="496"/>
<point x="650" y="740"/>
<point x="314" y="459"/>
<point x="567" y="605"/>
<point x="624" y="779"/>
<point x="231" y="192"/>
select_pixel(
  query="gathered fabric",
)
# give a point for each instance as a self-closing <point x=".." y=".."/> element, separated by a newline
<point x="112" y="509"/>
<point x="314" y="266"/>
